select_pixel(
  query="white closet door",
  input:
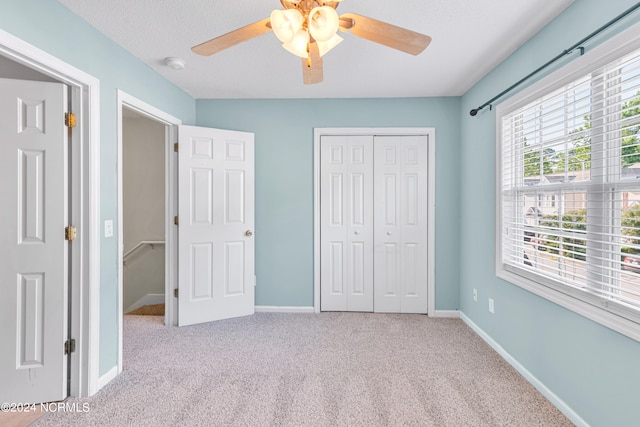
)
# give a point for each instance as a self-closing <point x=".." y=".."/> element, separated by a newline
<point x="400" y="255"/>
<point x="346" y="235"/>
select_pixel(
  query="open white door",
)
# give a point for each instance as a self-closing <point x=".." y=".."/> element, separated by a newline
<point x="216" y="275"/>
<point x="33" y="250"/>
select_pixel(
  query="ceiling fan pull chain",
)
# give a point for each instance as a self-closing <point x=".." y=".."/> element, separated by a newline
<point x="308" y="55"/>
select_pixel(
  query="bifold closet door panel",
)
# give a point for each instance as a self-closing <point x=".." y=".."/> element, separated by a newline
<point x="400" y="230"/>
<point x="346" y="218"/>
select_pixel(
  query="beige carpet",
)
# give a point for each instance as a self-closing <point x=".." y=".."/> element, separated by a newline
<point x="332" y="369"/>
<point x="148" y="310"/>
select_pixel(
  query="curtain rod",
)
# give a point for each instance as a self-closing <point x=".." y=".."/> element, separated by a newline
<point x="564" y="53"/>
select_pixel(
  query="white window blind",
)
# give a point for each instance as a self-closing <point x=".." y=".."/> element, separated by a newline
<point x="569" y="188"/>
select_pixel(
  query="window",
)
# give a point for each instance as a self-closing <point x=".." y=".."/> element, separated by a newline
<point x="569" y="186"/>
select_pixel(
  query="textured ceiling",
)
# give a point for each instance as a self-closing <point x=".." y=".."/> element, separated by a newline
<point x="470" y="37"/>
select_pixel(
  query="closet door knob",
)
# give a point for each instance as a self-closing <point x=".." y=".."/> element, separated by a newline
<point x="248" y="233"/>
<point x="356" y="232"/>
<point x="388" y="233"/>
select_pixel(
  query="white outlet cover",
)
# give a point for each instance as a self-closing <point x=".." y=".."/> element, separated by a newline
<point x="491" y="306"/>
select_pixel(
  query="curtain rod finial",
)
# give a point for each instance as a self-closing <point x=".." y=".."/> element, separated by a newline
<point x="474" y="112"/>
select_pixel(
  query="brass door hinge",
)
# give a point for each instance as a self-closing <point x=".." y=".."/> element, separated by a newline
<point x="175" y="292"/>
<point x="175" y="220"/>
<point x="69" y="233"/>
<point x="70" y="120"/>
<point x="69" y="346"/>
<point x="175" y="147"/>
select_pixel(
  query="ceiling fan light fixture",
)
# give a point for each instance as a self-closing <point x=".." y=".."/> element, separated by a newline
<point x="323" y="23"/>
<point x="286" y="23"/>
<point x="308" y="29"/>
<point x="298" y="45"/>
<point x="324" y="47"/>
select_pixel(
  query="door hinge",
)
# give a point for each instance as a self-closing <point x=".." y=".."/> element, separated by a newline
<point x="175" y="292"/>
<point x="70" y="120"/>
<point x="175" y="147"/>
<point x="69" y="233"/>
<point x="175" y="220"/>
<point x="69" y="346"/>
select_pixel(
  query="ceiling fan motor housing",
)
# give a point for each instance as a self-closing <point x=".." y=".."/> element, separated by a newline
<point x="305" y="6"/>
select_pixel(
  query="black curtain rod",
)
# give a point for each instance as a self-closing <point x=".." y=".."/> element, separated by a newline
<point x="564" y="53"/>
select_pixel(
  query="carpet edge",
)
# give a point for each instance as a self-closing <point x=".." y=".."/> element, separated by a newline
<point x="532" y="379"/>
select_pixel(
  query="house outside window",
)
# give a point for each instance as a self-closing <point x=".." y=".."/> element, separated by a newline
<point x="568" y="186"/>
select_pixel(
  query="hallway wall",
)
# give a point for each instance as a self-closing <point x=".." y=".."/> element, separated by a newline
<point x="143" y="170"/>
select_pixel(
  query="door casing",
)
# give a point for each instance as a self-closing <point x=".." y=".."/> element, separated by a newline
<point x="430" y="133"/>
<point x="84" y="167"/>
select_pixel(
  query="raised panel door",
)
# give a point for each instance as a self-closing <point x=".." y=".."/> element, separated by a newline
<point x="33" y="252"/>
<point x="346" y="235"/>
<point x="216" y="275"/>
<point x="400" y="236"/>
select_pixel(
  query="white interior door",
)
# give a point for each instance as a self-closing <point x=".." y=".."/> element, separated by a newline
<point x="401" y="246"/>
<point x="33" y="250"/>
<point x="216" y="275"/>
<point x="346" y="211"/>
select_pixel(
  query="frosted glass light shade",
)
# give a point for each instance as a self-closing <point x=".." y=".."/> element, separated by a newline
<point x="286" y="23"/>
<point x="298" y="45"/>
<point x="324" y="47"/>
<point x="323" y="23"/>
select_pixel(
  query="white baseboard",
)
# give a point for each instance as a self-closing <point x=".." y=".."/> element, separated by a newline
<point x="148" y="299"/>
<point x="446" y="314"/>
<point x="106" y="378"/>
<point x="539" y="385"/>
<point x="283" y="309"/>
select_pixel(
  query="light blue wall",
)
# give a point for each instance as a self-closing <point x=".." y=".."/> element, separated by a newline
<point x="594" y="370"/>
<point x="51" y="27"/>
<point x="284" y="181"/>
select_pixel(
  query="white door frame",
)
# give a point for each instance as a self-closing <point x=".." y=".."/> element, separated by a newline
<point x="431" y="175"/>
<point x="171" y="205"/>
<point x="85" y="207"/>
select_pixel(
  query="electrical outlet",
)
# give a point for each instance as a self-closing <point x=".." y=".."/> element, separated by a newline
<point x="475" y="294"/>
<point x="491" y="307"/>
<point x="108" y="228"/>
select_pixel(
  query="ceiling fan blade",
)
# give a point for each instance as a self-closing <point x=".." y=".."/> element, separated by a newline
<point x="380" y="32"/>
<point x="233" y="38"/>
<point x="312" y="70"/>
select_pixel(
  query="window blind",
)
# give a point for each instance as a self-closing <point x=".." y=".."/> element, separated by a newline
<point x="570" y="187"/>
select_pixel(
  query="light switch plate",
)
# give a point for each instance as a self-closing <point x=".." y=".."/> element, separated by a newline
<point x="108" y="228"/>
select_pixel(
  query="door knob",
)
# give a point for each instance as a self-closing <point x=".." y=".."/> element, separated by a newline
<point x="356" y="232"/>
<point x="388" y="233"/>
<point x="248" y="233"/>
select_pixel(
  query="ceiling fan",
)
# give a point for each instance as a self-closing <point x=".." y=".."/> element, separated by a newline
<point x="308" y="29"/>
